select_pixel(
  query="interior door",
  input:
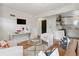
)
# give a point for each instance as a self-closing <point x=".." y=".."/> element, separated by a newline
<point x="44" y="26"/>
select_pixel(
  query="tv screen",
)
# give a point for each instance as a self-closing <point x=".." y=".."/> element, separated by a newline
<point x="21" y="21"/>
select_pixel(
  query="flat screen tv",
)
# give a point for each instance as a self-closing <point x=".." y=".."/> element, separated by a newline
<point x="21" y="21"/>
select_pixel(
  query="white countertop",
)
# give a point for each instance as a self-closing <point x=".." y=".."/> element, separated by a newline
<point x="22" y="33"/>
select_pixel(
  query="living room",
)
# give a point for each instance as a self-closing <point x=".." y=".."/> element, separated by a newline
<point x="22" y="25"/>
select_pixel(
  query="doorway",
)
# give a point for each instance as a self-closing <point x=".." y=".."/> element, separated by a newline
<point x="44" y="26"/>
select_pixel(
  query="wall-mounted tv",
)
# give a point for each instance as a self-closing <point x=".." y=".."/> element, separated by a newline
<point x="21" y="21"/>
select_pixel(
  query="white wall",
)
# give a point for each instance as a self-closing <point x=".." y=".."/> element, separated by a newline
<point x="34" y="27"/>
<point x="51" y="23"/>
<point x="9" y="25"/>
<point x="0" y="30"/>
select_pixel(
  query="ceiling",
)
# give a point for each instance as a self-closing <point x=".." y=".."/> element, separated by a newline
<point x="35" y="8"/>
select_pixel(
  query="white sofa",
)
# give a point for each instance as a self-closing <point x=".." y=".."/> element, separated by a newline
<point x="12" y="51"/>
